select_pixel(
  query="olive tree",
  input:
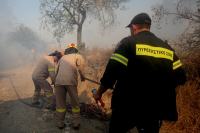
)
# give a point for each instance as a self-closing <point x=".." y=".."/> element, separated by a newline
<point x="64" y="15"/>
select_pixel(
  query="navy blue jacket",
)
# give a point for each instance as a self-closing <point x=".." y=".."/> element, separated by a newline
<point x="146" y="71"/>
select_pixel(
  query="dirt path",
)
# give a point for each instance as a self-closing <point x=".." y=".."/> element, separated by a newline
<point x="16" y="117"/>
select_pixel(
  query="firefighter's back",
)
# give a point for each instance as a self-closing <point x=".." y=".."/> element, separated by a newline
<point x="67" y="71"/>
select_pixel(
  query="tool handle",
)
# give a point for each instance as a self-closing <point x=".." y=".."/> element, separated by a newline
<point x="102" y="103"/>
<point x="95" y="90"/>
<point x="92" y="81"/>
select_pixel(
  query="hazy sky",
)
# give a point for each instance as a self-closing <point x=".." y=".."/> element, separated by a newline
<point x="28" y="13"/>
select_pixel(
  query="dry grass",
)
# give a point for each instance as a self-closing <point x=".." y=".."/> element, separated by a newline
<point x="95" y="63"/>
<point x="188" y="95"/>
<point x="188" y="99"/>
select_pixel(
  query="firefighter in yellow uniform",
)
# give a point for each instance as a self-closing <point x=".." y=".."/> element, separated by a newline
<point x="67" y="81"/>
<point x="44" y="69"/>
<point x="146" y="70"/>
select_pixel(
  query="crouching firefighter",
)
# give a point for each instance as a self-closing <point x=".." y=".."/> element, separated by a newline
<point x="44" y="69"/>
<point x="66" y="81"/>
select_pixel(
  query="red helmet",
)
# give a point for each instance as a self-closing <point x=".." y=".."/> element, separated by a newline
<point x="72" y="45"/>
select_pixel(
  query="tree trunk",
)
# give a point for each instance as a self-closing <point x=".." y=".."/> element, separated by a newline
<point x="79" y="36"/>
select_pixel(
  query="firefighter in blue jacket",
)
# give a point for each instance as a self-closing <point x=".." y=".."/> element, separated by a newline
<point x="147" y="70"/>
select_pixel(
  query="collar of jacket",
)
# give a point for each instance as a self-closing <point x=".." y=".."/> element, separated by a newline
<point x="70" y="51"/>
<point x="146" y="33"/>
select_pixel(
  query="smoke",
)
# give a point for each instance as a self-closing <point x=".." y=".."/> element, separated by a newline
<point x="7" y="17"/>
<point x="6" y="25"/>
<point x="16" y="40"/>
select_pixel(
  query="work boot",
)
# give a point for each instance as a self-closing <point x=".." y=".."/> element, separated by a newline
<point x="62" y="127"/>
<point x="37" y="103"/>
<point x="51" y="108"/>
<point x="76" y="128"/>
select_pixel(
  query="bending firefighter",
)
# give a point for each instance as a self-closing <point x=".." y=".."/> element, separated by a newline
<point x="44" y="69"/>
<point x="66" y="81"/>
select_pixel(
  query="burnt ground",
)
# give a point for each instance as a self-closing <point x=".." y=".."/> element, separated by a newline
<point x="16" y="117"/>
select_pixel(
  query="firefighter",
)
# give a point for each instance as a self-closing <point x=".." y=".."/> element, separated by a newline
<point x="44" y="69"/>
<point x="147" y="70"/>
<point x="66" y="81"/>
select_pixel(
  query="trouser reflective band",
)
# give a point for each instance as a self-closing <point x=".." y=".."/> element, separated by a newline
<point x="61" y="110"/>
<point x="37" y="92"/>
<point x="49" y="95"/>
<point x="76" y="110"/>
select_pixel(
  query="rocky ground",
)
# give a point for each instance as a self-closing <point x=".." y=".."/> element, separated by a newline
<point x="16" y="117"/>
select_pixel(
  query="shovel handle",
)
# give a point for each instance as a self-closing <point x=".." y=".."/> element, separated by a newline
<point x="92" y="81"/>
